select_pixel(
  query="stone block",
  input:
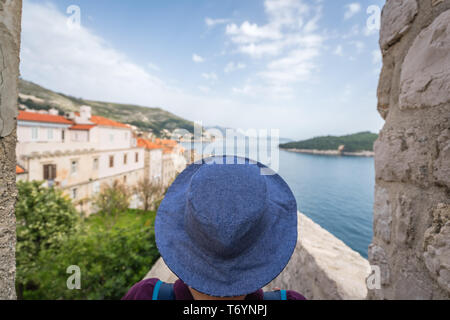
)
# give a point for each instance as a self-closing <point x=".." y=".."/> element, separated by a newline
<point x="382" y="214"/>
<point x="437" y="246"/>
<point x="425" y="76"/>
<point x="396" y="19"/>
<point x="441" y="170"/>
<point x="377" y="257"/>
<point x="405" y="155"/>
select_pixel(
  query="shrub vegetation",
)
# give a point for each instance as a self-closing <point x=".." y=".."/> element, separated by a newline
<point x="362" y="141"/>
<point x="112" y="251"/>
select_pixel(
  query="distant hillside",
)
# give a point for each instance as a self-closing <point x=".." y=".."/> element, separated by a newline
<point x="362" y="141"/>
<point x="239" y="133"/>
<point x="145" y="118"/>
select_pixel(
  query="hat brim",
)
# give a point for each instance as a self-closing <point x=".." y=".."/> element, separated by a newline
<point x="257" y="266"/>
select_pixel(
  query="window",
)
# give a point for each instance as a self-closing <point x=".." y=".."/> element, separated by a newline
<point x="49" y="171"/>
<point x="125" y="158"/>
<point x="126" y="135"/>
<point x="63" y="135"/>
<point x="124" y="179"/>
<point x="34" y="133"/>
<point x="111" y="137"/>
<point x="95" y="166"/>
<point x="136" y="157"/>
<point x="111" y="161"/>
<point x="50" y="134"/>
<point x="73" y="193"/>
<point x="74" y="167"/>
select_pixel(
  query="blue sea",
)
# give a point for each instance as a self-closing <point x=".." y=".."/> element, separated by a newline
<point x="334" y="191"/>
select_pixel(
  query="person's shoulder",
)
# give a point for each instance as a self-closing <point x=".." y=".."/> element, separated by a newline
<point x="143" y="290"/>
<point x="294" y="295"/>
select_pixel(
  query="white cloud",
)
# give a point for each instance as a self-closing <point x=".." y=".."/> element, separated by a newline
<point x="245" y="90"/>
<point x="213" y="22"/>
<point x="197" y="59"/>
<point x="339" y="51"/>
<point x="354" y="31"/>
<point x="153" y="66"/>
<point x="370" y="31"/>
<point x="312" y="24"/>
<point x="204" y="89"/>
<point x="346" y="94"/>
<point x="377" y="59"/>
<point x="290" y="38"/>
<point x="298" y="65"/>
<point x="251" y="33"/>
<point x="232" y="66"/>
<point x="210" y="76"/>
<point x="359" y="45"/>
<point x="376" y="56"/>
<point x="84" y="65"/>
<point x="76" y="60"/>
<point x="276" y="91"/>
<point x="286" y="13"/>
<point x="264" y="49"/>
<point x="351" y="9"/>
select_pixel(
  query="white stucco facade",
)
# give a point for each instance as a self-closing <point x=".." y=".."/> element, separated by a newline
<point x="40" y="132"/>
<point x="80" y="153"/>
<point x="155" y="163"/>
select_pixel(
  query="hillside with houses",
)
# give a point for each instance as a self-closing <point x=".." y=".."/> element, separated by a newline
<point x="80" y="152"/>
<point x="155" y="120"/>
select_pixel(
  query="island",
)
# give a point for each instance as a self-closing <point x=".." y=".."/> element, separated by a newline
<point x="358" y="144"/>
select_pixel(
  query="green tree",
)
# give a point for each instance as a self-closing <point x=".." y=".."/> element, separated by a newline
<point x="362" y="141"/>
<point x="113" y="251"/>
<point x="113" y="199"/>
<point x="111" y="260"/>
<point x="148" y="191"/>
<point x="45" y="218"/>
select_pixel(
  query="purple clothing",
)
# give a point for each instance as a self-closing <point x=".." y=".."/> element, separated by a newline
<point x="143" y="290"/>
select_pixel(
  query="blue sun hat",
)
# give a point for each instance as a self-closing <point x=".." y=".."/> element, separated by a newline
<point x="224" y="228"/>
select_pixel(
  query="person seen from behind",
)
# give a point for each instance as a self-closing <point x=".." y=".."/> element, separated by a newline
<point x="226" y="229"/>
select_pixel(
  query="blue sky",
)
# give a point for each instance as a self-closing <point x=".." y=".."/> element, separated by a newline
<point x="306" y="67"/>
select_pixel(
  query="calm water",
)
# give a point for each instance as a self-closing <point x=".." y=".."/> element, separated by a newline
<point x="335" y="192"/>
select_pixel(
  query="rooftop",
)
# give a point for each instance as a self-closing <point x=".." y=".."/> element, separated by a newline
<point x="19" y="170"/>
<point x="101" y="121"/>
<point x="144" y="143"/>
<point x="82" y="127"/>
<point x="39" y="117"/>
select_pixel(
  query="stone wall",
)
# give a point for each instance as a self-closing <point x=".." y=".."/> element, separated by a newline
<point x="411" y="241"/>
<point x="10" y="23"/>
<point x="322" y="267"/>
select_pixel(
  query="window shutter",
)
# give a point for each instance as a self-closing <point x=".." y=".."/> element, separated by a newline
<point x="45" y="172"/>
<point x="53" y="174"/>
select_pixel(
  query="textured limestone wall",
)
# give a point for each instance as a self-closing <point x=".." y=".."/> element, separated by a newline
<point x="10" y="18"/>
<point x="322" y="267"/>
<point x="411" y="241"/>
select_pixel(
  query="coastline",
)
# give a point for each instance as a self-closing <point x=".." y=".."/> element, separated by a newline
<point x="332" y="152"/>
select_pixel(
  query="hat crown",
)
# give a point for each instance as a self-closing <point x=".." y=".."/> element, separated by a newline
<point x="226" y="207"/>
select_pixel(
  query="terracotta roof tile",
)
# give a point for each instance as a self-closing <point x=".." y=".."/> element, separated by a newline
<point x="101" y="121"/>
<point x="39" y="117"/>
<point x="166" y="142"/>
<point x="144" y="143"/>
<point x="83" y="127"/>
<point x="19" y="170"/>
